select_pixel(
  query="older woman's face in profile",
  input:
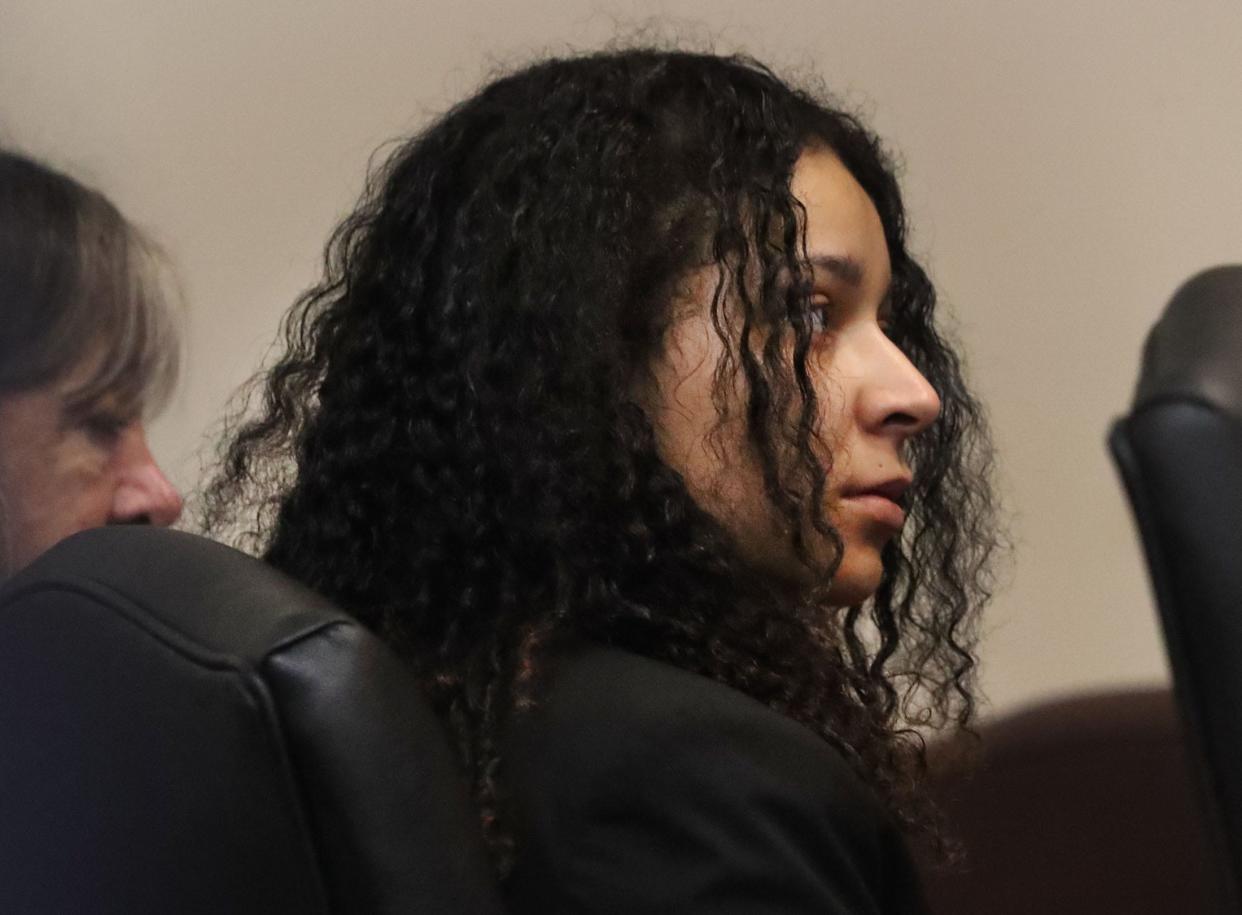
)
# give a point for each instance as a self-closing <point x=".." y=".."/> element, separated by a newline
<point x="64" y="469"/>
<point x="871" y="398"/>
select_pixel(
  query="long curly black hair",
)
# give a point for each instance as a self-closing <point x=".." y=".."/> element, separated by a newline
<point x="450" y="447"/>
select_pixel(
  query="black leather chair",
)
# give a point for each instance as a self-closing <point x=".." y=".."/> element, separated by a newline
<point x="184" y="730"/>
<point x="1179" y="451"/>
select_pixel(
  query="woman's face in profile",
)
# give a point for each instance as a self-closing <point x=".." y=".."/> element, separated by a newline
<point x="68" y="467"/>
<point x="871" y="398"/>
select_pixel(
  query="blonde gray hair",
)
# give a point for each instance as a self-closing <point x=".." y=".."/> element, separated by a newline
<point x="81" y="288"/>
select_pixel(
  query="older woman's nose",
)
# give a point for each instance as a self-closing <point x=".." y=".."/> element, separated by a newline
<point x="143" y="493"/>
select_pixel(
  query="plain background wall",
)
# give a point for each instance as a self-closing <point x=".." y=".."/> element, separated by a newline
<point x="1068" y="163"/>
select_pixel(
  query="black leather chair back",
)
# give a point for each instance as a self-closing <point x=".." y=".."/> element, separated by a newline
<point x="1180" y="455"/>
<point x="184" y="730"/>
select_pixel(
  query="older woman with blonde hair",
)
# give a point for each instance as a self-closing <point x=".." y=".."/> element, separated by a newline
<point x="87" y="349"/>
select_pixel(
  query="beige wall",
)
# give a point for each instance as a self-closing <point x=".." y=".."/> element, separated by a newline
<point x="1068" y="163"/>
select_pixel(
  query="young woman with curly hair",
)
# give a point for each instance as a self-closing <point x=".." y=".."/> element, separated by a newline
<point x="621" y="414"/>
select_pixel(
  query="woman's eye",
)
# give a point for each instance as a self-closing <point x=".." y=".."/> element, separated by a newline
<point x="819" y="315"/>
<point x="104" y="428"/>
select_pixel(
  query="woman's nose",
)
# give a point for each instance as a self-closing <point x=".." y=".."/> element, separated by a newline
<point x="143" y="493"/>
<point x="901" y="400"/>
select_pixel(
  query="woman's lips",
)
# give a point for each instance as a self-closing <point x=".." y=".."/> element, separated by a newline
<point x="882" y="501"/>
<point x="879" y="507"/>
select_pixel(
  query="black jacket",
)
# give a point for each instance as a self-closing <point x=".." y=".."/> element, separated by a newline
<point x="640" y="788"/>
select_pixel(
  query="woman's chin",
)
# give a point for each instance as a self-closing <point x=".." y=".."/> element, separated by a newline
<point x="858" y="576"/>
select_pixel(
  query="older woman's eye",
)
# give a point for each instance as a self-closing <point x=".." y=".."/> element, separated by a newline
<point x="104" y="427"/>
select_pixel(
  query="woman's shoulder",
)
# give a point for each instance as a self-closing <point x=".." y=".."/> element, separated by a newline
<point x="610" y="713"/>
<point x="611" y="705"/>
<point x="630" y="765"/>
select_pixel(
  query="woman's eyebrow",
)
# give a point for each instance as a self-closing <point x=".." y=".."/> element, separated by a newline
<point x="841" y="266"/>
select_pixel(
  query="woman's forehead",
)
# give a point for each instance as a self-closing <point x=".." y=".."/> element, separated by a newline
<point x="845" y="239"/>
<point x="106" y="376"/>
